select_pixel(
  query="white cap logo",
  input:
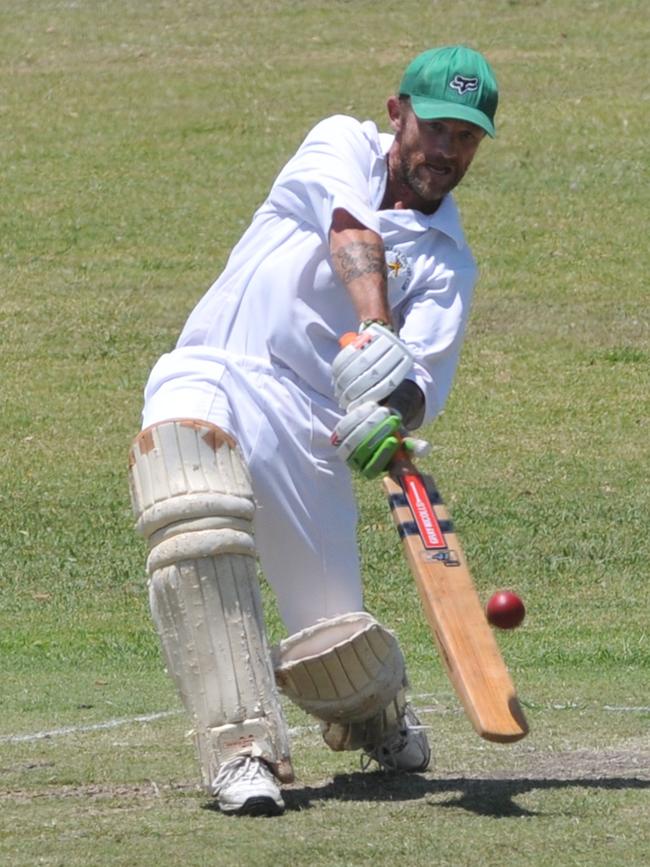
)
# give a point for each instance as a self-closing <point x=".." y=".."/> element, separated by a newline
<point x="462" y="84"/>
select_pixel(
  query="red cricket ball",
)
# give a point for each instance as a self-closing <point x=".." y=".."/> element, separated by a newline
<point x="505" y="610"/>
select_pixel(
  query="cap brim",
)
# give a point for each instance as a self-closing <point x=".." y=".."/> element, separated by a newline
<point x="430" y="109"/>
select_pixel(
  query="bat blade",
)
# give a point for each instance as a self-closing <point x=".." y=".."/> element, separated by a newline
<point x="468" y="648"/>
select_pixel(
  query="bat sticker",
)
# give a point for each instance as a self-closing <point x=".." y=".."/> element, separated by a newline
<point x="428" y="525"/>
<point x="447" y="558"/>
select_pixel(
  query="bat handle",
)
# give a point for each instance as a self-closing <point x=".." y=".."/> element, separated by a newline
<point x="401" y="462"/>
<point x="348" y="338"/>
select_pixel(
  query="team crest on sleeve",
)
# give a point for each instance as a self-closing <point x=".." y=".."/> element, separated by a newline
<point x="463" y="84"/>
<point x="399" y="270"/>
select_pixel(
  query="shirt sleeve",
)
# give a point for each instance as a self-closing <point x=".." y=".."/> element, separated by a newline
<point x="330" y="170"/>
<point x="433" y="326"/>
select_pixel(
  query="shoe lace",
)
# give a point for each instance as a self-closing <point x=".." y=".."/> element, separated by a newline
<point x="243" y="768"/>
<point x="385" y="753"/>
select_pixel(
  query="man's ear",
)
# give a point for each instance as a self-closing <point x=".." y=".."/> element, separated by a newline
<point x="394" y="107"/>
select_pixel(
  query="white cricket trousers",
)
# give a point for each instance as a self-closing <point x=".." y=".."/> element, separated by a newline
<point x="305" y="522"/>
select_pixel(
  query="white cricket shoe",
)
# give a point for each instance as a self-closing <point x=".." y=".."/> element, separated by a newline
<point x="246" y="786"/>
<point x="406" y="750"/>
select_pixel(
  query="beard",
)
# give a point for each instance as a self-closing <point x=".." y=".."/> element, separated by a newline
<point x="429" y="189"/>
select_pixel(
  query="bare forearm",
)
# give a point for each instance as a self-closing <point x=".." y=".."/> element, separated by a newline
<point x="358" y="259"/>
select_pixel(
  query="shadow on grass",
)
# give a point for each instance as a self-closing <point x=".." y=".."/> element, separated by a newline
<point x="484" y="797"/>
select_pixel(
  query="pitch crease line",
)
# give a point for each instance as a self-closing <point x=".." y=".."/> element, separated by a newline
<point x="114" y="723"/>
<point x="626" y="709"/>
<point x="90" y="727"/>
<point x="152" y="717"/>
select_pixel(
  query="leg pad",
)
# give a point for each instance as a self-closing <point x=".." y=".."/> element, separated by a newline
<point x="194" y="505"/>
<point x="344" y="669"/>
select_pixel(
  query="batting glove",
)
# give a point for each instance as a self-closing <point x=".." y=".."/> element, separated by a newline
<point x="368" y="437"/>
<point x="370" y="367"/>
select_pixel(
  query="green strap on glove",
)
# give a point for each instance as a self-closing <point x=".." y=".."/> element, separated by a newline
<point x="374" y="453"/>
<point x="368" y="437"/>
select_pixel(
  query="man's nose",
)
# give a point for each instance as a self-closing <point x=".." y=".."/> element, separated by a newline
<point x="446" y="144"/>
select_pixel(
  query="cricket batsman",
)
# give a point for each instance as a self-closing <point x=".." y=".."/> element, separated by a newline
<point x="253" y="423"/>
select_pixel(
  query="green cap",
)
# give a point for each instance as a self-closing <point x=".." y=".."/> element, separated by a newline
<point x="452" y="82"/>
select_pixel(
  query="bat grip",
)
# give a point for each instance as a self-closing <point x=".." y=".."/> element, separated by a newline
<point x="401" y="461"/>
<point x="348" y="338"/>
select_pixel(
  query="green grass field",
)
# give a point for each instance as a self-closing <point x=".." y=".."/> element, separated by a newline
<point x="137" y="138"/>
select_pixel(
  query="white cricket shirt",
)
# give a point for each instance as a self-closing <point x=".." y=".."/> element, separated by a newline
<point x="280" y="302"/>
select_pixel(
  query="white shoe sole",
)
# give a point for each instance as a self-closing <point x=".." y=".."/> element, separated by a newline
<point x="256" y="805"/>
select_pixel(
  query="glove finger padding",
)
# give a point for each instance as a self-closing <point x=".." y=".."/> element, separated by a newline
<point x="370" y="367"/>
<point x="367" y="438"/>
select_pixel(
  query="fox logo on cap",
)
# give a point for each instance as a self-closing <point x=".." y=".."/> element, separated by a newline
<point x="462" y="84"/>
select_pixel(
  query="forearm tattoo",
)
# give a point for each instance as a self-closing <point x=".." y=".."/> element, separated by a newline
<point x="358" y="259"/>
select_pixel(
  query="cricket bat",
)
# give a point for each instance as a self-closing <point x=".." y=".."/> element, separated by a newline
<point x="467" y="645"/>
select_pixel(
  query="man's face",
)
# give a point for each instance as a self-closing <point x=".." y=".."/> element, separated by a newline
<point x="431" y="156"/>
